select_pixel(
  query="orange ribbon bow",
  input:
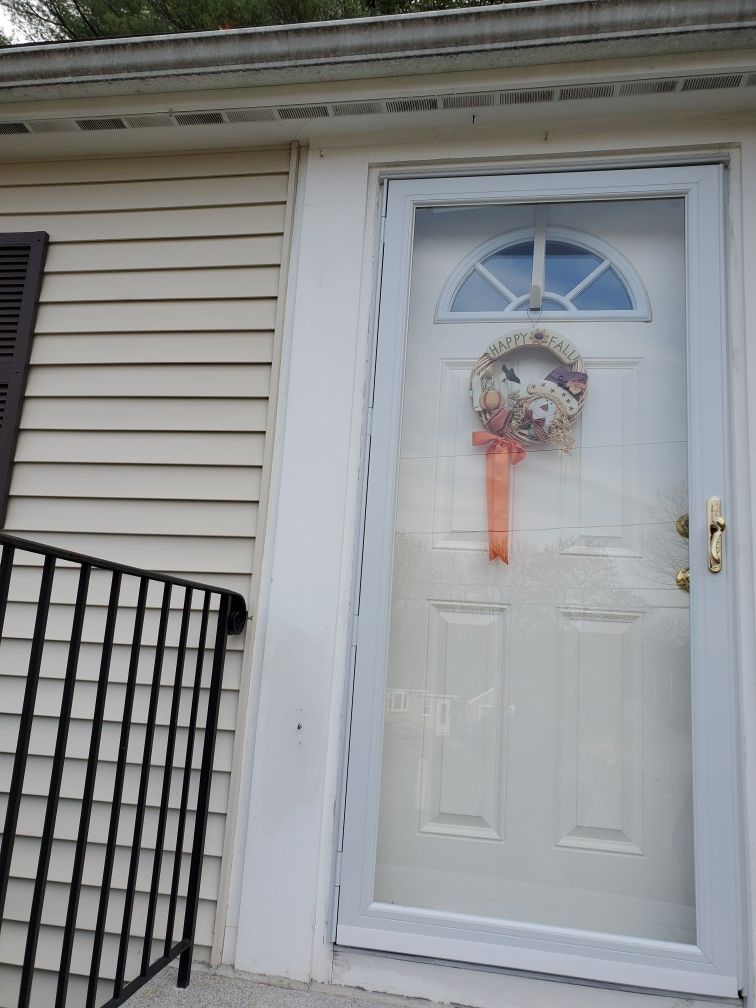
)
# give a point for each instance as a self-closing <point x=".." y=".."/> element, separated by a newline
<point x="502" y="452"/>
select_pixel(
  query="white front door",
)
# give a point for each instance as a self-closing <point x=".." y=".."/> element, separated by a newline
<point x="539" y="748"/>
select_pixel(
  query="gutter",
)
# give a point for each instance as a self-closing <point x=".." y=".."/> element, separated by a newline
<point x="480" y="38"/>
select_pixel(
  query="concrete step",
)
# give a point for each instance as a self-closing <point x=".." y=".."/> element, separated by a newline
<point x="210" y="989"/>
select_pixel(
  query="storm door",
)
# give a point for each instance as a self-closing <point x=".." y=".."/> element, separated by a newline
<point x="541" y="737"/>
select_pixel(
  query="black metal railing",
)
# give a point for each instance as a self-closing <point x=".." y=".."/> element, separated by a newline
<point x="219" y="613"/>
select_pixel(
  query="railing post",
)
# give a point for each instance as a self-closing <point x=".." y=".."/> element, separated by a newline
<point x="56" y="777"/>
<point x="6" y="569"/>
<point x="166" y="788"/>
<point x="203" y="797"/>
<point x="120" y="774"/>
<point x="144" y="780"/>
<point x="187" y="778"/>
<point x="87" y="797"/>
<point x="25" y="729"/>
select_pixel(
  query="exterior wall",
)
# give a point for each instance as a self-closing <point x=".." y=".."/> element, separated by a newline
<point x="143" y="440"/>
<point x="286" y="896"/>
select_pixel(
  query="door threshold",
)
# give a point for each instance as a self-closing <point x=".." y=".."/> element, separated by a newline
<point x="479" y="986"/>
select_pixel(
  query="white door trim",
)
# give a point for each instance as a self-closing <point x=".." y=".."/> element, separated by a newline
<point x="711" y="967"/>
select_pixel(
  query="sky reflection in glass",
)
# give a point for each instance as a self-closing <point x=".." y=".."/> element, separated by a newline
<point x="567" y="265"/>
<point x="513" y="267"/>
<point x="476" y="295"/>
<point x="500" y="282"/>
<point x="605" y="291"/>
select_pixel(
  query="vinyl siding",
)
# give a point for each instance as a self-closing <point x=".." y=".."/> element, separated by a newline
<point x="143" y="439"/>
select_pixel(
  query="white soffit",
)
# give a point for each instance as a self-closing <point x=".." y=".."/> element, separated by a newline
<point x="601" y="91"/>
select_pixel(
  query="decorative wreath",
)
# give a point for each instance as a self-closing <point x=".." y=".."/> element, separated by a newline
<point x="515" y="418"/>
<point x="541" y="414"/>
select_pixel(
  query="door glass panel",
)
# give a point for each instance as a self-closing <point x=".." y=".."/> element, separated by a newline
<point x="477" y="294"/>
<point x="567" y="265"/>
<point x="513" y="267"/>
<point x="606" y="291"/>
<point x="536" y="762"/>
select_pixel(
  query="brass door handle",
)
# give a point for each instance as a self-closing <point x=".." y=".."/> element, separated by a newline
<point x="715" y="531"/>
<point x="716" y="526"/>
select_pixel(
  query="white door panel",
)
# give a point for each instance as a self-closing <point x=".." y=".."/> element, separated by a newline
<point x="523" y="747"/>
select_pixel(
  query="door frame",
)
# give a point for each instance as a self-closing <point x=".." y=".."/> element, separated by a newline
<point x="714" y="966"/>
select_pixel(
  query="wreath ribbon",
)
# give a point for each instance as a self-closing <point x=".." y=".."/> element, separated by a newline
<point x="502" y="452"/>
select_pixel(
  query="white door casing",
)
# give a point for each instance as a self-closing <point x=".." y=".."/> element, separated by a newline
<point x="548" y="941"/>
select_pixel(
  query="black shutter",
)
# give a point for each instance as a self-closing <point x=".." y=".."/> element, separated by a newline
<point x="22" y="259"/>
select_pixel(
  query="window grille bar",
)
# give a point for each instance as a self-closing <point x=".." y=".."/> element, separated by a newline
<point x="123" y="746"/>
<point x="24" y="729"/>
<point x="191" y="731"/>
<point x="88" y="793"/>
<point x="165" y="793"/>
<point x="494" y="281"/>
<point x="587" y="281"/>
<point x="203" y="798"/>
<point x="56" y="777"/>
<point x="144" y="779"/>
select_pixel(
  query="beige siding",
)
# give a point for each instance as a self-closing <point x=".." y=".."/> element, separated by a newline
<point x="142" y="440"/>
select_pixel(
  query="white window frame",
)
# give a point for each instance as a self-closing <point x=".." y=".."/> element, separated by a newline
<point x="641" y="310"/>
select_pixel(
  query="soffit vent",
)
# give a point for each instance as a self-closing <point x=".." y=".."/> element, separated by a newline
<point x="250" y="115"/>
<point x="108" y="123"/>
<point x="480" y="100"/>
<point x="303" y="111"/>
<point x="357" y="108"/>
<point x="51" y="125"/>
<point x="713" y="82"/>
<point x="586" y="91"/>
<point x="412" y="104"/>
<point x="375" y="106"/>
<point x="647" y="87"/>
<point x="526" y="97"/>
<point x="149" y="121"/>
<point x="199" y="118"/>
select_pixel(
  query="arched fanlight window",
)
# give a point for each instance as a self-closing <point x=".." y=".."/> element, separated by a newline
<point x="580" y="276"/>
